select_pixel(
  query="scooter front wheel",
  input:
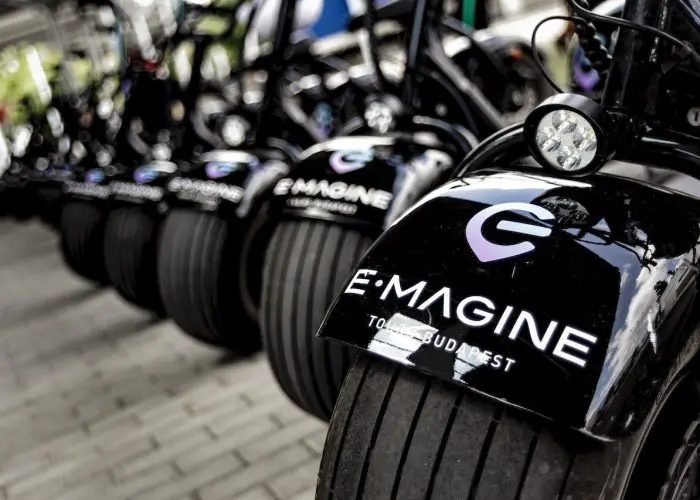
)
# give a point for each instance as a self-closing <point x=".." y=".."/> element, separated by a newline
<point x="198" y="275"/>
<point x="131" y="243"/>
<point x="396" y="433"/>
<point x="82" y="240"/>
<point x="305" y="266"/>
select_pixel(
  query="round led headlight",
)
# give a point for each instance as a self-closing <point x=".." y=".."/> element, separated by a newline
<point x="161" y="152"/>
<point x="379" y="116"/>
<point x="105" y="108"/>
<point x="234" y="131"/>
<point x="103" y="158"/>
<point x="567" y="133"/>
<point x="78" y="151"/>
<point x="64" y="145"/>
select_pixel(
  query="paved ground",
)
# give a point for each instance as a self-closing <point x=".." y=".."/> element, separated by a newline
<point x="97" y="401"/>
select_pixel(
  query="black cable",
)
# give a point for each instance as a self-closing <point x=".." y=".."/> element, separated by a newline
<point x="535" y="52"/>
<point x="686" y="48"/>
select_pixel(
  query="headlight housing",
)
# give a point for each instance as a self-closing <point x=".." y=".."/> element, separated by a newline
<point x="568" y="133"/>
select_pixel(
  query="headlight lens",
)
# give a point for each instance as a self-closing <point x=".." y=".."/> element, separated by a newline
<point x="161" y="152"/>
<point x="569" y="133"/>
<point x="234" y="131"/>
<point x="105" y="108"/>
<point x="566" y="140"/>
<point x="379" y="116"/>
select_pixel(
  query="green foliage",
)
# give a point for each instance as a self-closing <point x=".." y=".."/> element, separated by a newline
<point x="16" y="82"/>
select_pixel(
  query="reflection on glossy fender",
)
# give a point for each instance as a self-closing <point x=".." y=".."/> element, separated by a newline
<point x="576" y="300"/>
<point x="368" y="180"/>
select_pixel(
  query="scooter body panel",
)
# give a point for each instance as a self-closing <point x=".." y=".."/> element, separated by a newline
<point x="575" y="300"/>
<point x="144" y="185"/>
<point x="92" y="184"/>
<point x="366" y="181"/>
<point x="234" y="182"/>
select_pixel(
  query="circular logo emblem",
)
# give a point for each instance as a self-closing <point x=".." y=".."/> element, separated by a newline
<point x="343" y="162"/>
<point x="219" y="169"/>
<point x="487" y="251"/>
<point x="94" y="176"/>
<point x="145" y="174"/>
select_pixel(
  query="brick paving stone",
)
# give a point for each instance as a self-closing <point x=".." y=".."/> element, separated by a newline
<point x="257" y="493"/>
<point x="98" y="400"/>
<point x="316" y="440"/>
<point x="254" y="431"/>
<point x="159" y="456"/>
<point x="259" y="448"/>
<point x="308" y="494"/>
<point x="212" y="471"/>
<point x="246" y="477"/>
<point x="296" y="480"/>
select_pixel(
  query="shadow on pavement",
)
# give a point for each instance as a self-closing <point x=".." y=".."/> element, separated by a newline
<point x="46" y="307"/>
<point x="94" y="339"/>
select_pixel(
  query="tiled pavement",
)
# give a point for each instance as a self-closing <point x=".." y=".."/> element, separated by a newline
<point x="97" y="401"/>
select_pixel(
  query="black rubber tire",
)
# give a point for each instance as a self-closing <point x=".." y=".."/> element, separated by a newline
<point x="198" y="275"/>
<point x="21" y="201"/>
<point x="48" y="200"/>
<point x="131" y="245"/>
<point x="82" y="240"/>
<point x="396" y="433"/>
<point x="305" y="265"/>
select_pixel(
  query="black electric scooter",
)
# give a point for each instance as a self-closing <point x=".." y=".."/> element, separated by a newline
<point x="16" y="179"/>
<point x="344" y="193"/>
<point x="529" y="329"/>
<point x="109" y="148"/>
<point x="137" y="207"/>
<point x="214" y="238"/>
<point x="84" y="210"/>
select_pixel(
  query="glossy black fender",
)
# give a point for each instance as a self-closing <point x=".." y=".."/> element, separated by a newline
<point x="233" y="182"/>
<point x="575" y="300"/>
<point x="236" y="184"/>
<point x="145" y="186"/>
<point x="362" y="181"/>
<point x="91" y="184"/>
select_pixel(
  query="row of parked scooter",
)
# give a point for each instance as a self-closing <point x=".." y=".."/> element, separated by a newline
<point x="244" y="219"/>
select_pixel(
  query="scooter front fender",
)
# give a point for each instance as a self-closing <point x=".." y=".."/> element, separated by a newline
<point x="232" y="182"/>
<point x="575" y="300"/>
<point x="143" y="186"/>
<point x="92" y="184"/>
<point x="361" y="181"/>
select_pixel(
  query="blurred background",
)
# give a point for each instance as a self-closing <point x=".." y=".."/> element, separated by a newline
<point x="36" y="36"/>
<point x="98" y="399"/>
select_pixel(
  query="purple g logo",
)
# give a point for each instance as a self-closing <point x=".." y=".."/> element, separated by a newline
<point x="486" y="251"/>
<point x="145" y="174"/>
<point x="343" y="162"/>
<point x="94" y="176"/>
<point x="219" y="169"/>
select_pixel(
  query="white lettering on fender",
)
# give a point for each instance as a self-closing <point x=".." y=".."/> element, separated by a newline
<point x="81" y="188"/>
<point x="208" y="189"/>
<point x="560" y="341"/>
<point x="351" y="193"/>
<point x="356" y="280"/>
<point x="565" y="341"/>
<point x="131" y="190"/>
